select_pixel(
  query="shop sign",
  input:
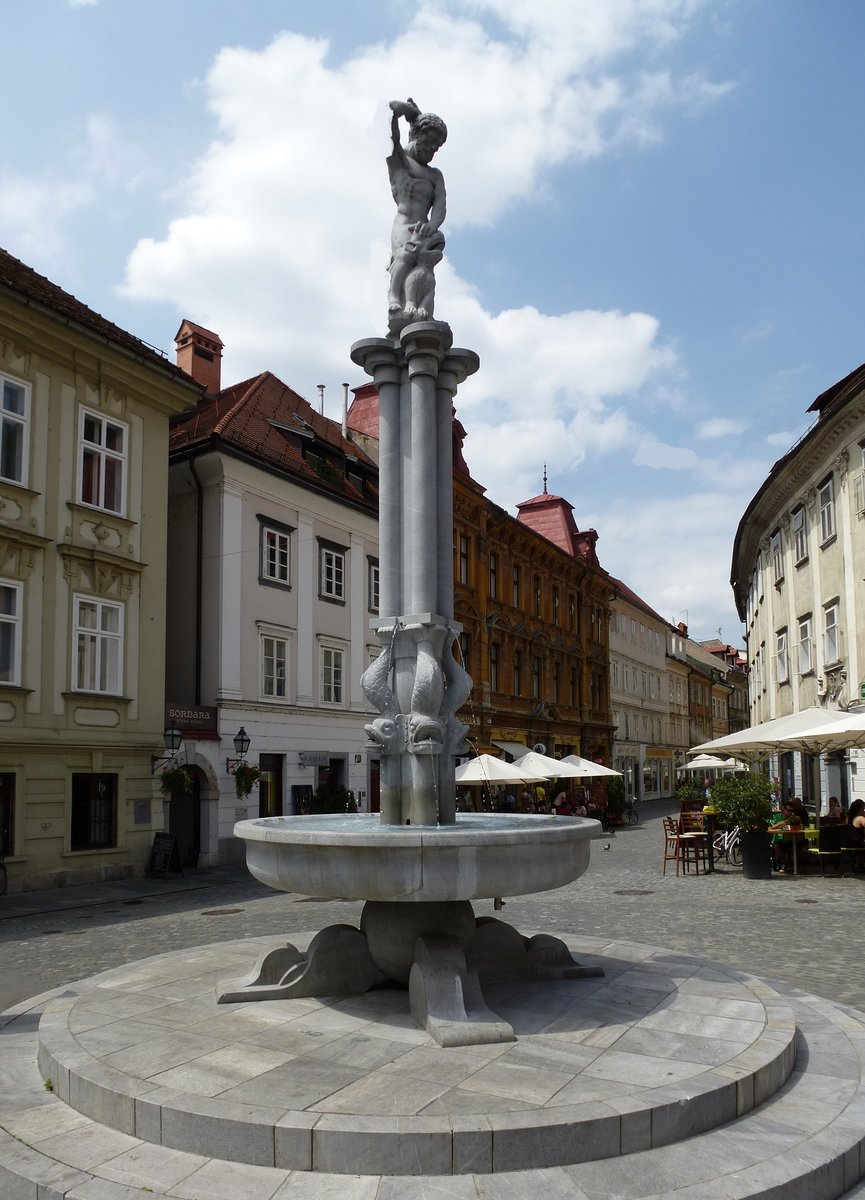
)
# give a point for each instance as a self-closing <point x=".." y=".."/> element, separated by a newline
<point x="188" y="717"/>
<point x="314" y="758"/>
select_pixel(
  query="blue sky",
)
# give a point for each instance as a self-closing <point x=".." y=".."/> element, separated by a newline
<point x="654" y="236"/>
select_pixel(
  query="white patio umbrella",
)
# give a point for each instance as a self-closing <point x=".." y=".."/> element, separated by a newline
<point x="485" y="768"/>
<point x="710" y="762"/>
<point x="588" y="769"/>
<point x="847" y="731"/>
<point x="762" y="741"/>
<point x="549" y="768"/>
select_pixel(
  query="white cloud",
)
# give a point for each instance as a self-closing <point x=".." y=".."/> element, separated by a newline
<point x="720" y="427"/>
<point x="82" y="3"/>
<point x="654" y="546"/>
<point x="660" y="456"/>
<point x="282" y="244"/>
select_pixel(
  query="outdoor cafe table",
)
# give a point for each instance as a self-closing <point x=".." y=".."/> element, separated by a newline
<point x="795" y="832"/>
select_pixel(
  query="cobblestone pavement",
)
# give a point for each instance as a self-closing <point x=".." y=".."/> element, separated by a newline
<point x="803" y="930"/>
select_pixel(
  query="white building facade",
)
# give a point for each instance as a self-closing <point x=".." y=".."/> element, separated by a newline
<point x="639" y="695"/>
<point x="273" y="582"/>
<point x="798" y="575"/>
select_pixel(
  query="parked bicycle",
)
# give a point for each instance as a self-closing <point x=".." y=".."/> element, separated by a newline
<point x="727" y="843"/>
<point x="630" y="814"/>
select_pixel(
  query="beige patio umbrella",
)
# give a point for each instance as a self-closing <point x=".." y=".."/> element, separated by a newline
<point x="845" y="732"/>
<point x="549" y="768"/>
<point x="588" y="769"/>
<point x="485" y="768"/>
<point x="710" y="762"/>
<point x="762" y="741"/>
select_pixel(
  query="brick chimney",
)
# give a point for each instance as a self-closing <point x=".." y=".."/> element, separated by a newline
<point x="199" y="354"/>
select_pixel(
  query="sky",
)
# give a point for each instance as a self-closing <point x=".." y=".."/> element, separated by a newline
<point x="654" y="233"/>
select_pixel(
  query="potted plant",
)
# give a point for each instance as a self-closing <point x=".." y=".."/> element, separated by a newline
<point x="691" y="795"/>
<point x="745" y="799"/>
<point x="246" y="776"/>
<point x="177" y="778"/>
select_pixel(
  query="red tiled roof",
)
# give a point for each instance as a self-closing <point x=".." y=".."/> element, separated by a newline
<point x="363" y="411"/>
<point x="264" y="419"/>
<point x="552" y="517"/>
<point x="631" y="596"/>
<point x="24" y="282"/>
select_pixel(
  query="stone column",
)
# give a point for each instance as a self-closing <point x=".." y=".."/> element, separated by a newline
<point x="415" y="682"/>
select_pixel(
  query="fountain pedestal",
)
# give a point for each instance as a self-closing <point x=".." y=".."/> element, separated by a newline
<point x="418" y="926"/>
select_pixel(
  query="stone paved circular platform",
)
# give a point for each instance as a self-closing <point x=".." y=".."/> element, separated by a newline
<point x="662" y="1047"/>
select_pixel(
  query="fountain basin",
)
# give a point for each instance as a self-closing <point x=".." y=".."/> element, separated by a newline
<point x="358" y="858"/>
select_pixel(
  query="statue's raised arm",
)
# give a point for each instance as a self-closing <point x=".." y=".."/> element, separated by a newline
<point x="418" y="189"/>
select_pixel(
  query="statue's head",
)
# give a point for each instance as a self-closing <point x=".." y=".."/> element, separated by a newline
<point x="427" y="134"/>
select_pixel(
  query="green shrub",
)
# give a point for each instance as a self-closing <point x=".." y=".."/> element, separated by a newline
<point x="744" y="799"/>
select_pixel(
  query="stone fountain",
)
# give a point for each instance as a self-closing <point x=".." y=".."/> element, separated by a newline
<point x="419" y="864"/>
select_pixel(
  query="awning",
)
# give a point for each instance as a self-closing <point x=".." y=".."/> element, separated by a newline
<point x="516" y="749"/>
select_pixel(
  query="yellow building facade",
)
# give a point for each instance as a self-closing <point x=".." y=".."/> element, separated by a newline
<point x="83" y="502"/>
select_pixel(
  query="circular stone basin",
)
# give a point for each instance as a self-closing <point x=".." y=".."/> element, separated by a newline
<point x="358" y="858"/>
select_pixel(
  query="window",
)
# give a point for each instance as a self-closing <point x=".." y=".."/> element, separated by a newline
<point x="572" y="687"/>
<point x="831" y="633"/>
<point x="97" y="646"/>
<point x="465" y="643"/>
<point x="331" y="572"/>
<point x="572" y="613"/>
<point x="782" y="674"/>
<point x="332" y="674"/>
<point x="10" y="632"/>
<point x="536" y="677"/>
<point x="102" y="462"/>
<point x="494" y="667"/>
<point x="516" y="587"/>
<point x="806" y="654"/>
<point x="372" y="585"/>
<point x="93" y="823"/>
<point x="275" y="554"/>
<point x="556" y="683"/>
<point x="494" y="576"/>
<point x="555" y="605"/>
<point x="859" y="482"/>
<point x="518" y="672"/>
<point x="776" y="550"/>
<point x="14" y="425"/>
<point x="274" y="660"/>
<point x="826" y="497"/>
<point x="7" y="814"/>
<point x="536" y="592"/>
<point x="463" y="564"/>
<point x="800" y="539"/>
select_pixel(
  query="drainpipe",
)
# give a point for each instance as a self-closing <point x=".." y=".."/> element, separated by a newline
<point x="199" y="588"/>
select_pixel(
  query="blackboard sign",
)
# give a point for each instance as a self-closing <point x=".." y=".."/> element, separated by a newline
<point x="164" y="854"/>
<point x="301" y="798"/>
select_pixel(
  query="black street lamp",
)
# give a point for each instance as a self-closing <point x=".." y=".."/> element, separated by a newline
<point x="172" y="737"/>
<point x="241" y="745"/>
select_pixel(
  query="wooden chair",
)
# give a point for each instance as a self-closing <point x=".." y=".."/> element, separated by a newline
<point x="693" y="842"/>
<point x="671" y="844"/>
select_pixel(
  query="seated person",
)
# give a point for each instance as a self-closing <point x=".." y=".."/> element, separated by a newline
<point x="834" y="812"/>
<point x="856" y="822"/>
<point x="798" y="812"/>
<point x="563" y="806"/>
<point x="782" y="853"/>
